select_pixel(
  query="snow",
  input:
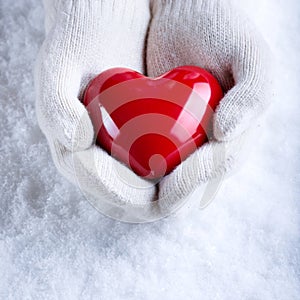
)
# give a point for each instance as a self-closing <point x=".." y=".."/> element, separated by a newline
<point x="54" y="245"/>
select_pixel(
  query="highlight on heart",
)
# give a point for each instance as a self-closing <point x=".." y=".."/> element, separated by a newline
<point x="152" y="124"/>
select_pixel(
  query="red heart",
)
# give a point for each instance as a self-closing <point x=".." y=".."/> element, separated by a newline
<point x="152" y="124"/>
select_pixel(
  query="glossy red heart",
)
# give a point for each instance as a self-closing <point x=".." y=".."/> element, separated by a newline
<point x="152" y="124"/>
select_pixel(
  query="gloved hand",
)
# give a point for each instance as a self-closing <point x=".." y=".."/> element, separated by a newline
<point x="85" y="37"/>
<point x="212" y="35"/>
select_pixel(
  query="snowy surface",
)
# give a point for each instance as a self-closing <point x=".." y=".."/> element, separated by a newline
<point x="54" y="245"/>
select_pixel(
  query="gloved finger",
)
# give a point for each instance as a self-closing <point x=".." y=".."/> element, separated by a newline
<point x="110" y="186"/>
<point x="212" y="160"/>
<point x="97" y="170"/>
<point x="57" y="80"/>
<point x="59" y="111"/>
<point x="75" y="50"/>
<point x="214" y="36"/>
<point x="250" y="95"/>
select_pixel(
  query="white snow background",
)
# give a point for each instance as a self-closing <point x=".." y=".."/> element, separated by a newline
<point x="55" y="245"/>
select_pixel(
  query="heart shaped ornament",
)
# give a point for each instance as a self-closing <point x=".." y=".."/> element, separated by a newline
<point x="152" y="124"/>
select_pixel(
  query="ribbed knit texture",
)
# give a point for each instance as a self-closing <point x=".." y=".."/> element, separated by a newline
<point x="85" y="37"/>
<point x="210" y="34"/>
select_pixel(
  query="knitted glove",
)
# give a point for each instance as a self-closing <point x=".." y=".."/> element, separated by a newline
<point x="84" y="38"/>
<point x="210" y="34"/>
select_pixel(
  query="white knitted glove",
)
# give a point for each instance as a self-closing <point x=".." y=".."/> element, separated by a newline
<point x="210" y="34"/>
<point x="85" y="37"/>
